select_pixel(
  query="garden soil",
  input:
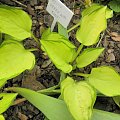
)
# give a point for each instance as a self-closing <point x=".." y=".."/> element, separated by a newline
<point x="45" y="74"/>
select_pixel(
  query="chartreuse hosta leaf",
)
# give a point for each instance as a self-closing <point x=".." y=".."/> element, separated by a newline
<point x="52" y="108"/>
<point x="1" y="117"/>
<point x="59" y="50"/>
<point x="106" y="80"/>
<point x="15" y="22"/>
<point x="46" y="33"/>
<point x="90" y="9"/>
<point x="88" y="56"/>
<point x="79" y="97"/>
<point x="14" y="59"/>
<point x="6" y="99"/>
<point x="92" y="24"/>
<point x="109" y="13"/>
<point x="94" y="7"/>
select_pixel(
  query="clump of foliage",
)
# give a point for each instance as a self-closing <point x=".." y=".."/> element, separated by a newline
<point x="77" y="98"/>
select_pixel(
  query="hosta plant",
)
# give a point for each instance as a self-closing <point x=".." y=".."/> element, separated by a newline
<point x="77" y="98"/>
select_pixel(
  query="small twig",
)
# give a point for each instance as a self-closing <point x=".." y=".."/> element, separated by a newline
<point x="19" y="3"/>
<point x="82" y="2"/>
<point x="100" y="39"/>
<point x="108" y="32"/>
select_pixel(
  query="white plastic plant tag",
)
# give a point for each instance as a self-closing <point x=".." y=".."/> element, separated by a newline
<point x="60" y="12"/>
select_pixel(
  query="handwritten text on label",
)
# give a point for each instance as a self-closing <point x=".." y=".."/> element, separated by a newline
<point x="60" y="12"/>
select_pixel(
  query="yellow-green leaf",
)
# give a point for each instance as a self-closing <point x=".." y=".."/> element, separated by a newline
<point x="2" y="117"/>
<point x="94" y="7"/>
<point x="6" y="99"/>
<point x="14" y="59"/>
<point x="88" y="56"/>
<point x="106" y="80"/>
<point x="15" y="22"/>
<point x="90" y="9"/>
<point x="91" y="27"/>
<point x="46" y="33"/>
<point x="79" y="97"/>
<point x="109" y="13"/>
<point x="59" y="50"/>
<point x="2" y="82"/>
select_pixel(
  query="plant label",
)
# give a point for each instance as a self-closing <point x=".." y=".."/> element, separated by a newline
<point x="60" y="12"/>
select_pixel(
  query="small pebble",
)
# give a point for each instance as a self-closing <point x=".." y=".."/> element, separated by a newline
<point x="118" y="45"/>
<point x="111" y="44"/>
<point x="33" y="2"/>
<point x="46" y="63"/>
<point x="110" y="57"/>
<point x="39" y="7"/>
<point x="110" y="50"/>
<point x="34" y="21"/>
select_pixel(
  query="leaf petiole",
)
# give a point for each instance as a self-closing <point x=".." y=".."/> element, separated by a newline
<point x="73" y="27"/>
<point x="36" y="39"/>
<point x="78" y="51"/>
<point x="48" y="90"/>
<point x="81" y="74"/>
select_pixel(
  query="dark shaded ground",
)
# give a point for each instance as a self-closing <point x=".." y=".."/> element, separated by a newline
<point x="45" y="74"/>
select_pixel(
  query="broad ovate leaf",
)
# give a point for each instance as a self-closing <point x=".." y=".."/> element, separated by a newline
<point x="14" y="59"/>
<point x="79" y="98"/>
<point x="15" y="22"/>
<point x="88" y="56"/>
<point x="6" y="99"/>
<point x="94" y="7"/>
<point x="2" y="117"/>
<point x="59" y="50"/>
<point x="109" y="13"/>
<point x="91" y="27"/>
<point x="46" y="33"/>
<point x="52" y="108"/>
<point x="106" y="80"/>
<point x="90" y="9"/>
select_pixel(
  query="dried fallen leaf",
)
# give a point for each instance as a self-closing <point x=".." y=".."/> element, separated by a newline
<point x="18" y="101"/>
<point x="30" y="80"/>
<point x="22" y="116"/>
<point x="115" y="36"/>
